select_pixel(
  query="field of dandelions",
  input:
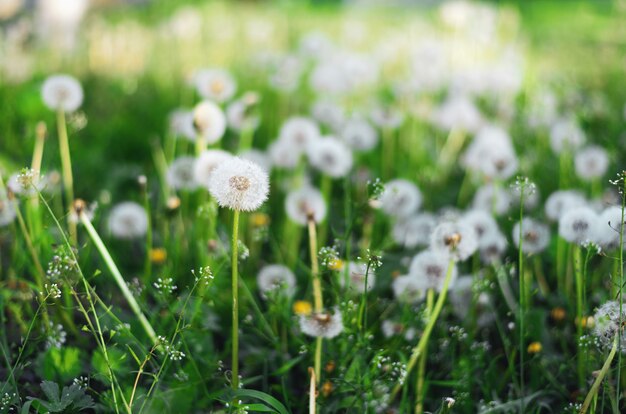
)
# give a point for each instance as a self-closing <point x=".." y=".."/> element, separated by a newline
<point x="241" y="208"/>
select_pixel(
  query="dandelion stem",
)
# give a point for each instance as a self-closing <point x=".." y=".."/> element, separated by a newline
<point x="419" y="406"/>
<point x="134" y="306"/>
<point x="235" y="294"/>
<point x="312" y="391"/>
<point x="621" y="286"/>
<point x="318" y="302"/>
<point x="579" y="314"/>
<point x="421" y="345"/>
<point x="66" y="166"/>
<point x="522" y="297"/>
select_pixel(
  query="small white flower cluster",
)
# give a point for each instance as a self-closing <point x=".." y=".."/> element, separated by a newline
<point x="205" y="274"/>
<point x="165" y="286"/>
<point x="55" y="336"/>
<point x="7" y="401"/>
<point x="61" y="266"/>
<point x="329" y="255"/>
<point x="243" y="250"/>
<point x="82" y="382"/>
<point x="52" y="290"/>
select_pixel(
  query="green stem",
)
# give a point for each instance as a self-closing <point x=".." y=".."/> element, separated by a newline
<point x="121" y="283"/>
<point x="419" y="406"/>
<point x="235" y="293"/>
<point x="579" y="314"/>
<point x="421" y="345"/>
<point x="317" y="292"/>
<point x="66" y="167"/>
<point x="605" y="368"/>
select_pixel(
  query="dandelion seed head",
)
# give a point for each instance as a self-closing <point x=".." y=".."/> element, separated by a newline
<point x="239" y="184"/>
<point x="330" y="156"/>
<point x="401" y="198"/>
<point x="454" y="238"/>
<point x="591" y="162"/>
<point x="276" y="278"/>
<point x="62" y="93"/>
<point x="128" y="220"/>
<point x="579" y="225"/>
<point x="305" y="203"/>
<point x="206" y="164"/>
<point x="180" y="174"/>
<point x="322" y="324"/>
<point x="215" y="84"/>
<point x="209" y="121"/>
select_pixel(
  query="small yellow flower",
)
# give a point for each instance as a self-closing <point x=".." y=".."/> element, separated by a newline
<point x="558" y="314"/>
<point x="586" y="322"/>
<point x="158" y="255"/>
<point x="259" y="219"/>
<point x="534" y="347"/>
<point x="302" y="307"/>
<point x="327" y="388"/>
<point x="330" y="366"/>
<point x="336" y="264"/>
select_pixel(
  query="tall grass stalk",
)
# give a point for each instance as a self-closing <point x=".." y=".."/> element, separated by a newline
<point x="117" y="276"/>
<point x="66" y="167"/>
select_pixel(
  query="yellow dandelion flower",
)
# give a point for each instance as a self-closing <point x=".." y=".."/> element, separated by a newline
<point x="336" y="264"/>
<point x="535" y="347"/>
<point x="158" y="255"/>
<point x="302" y="307"/>
<point x="259" y="219"/>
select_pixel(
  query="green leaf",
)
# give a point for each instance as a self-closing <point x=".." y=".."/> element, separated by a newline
<point x="259" y="408"/>
<point x="61" y="364"/>
<point x="266" y="398"/>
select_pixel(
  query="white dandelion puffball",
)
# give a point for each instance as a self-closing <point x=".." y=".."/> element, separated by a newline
<point x="209" y="121"/>
<point x="356" y="277"/>
<point x="609" y="322"/>
<point x="386" y="117"/>
<point x="483" y="224"/>
<point x="300" y="132"/>
<point x="128" y="220"/>
<point x="492" y="247"/>
<point x="359" y="134"/>
<point x="329" y="112"/>
<point x="276" y="278"/>
<point x="217" y="85"/>
<point x="284" y="154"/>
<point x="330" y="156"/>
<point x="8" y="210"/>
<point x="181" y="124"/>
<point x="609" y="228"/>
<point x="491" y="154"/>
<point x="458" y="112"/>
<point x="493" y="199"/>
<point x="323" y="324"/>
<point x="241" y="114"/>
<point x="430" y="268"/>
<point x="62" y="93"/>
<point x="415" y="230"/>
<point x="239" y="185"/>
<point x="401" y="198"/>
<point x="591" y="162"/>
<point x="565" y="134"/>
<point x="206" y="163"/>
<point x="535" y="235"/>
<point x="408" y="289"/>
<point x="454" y="238"/>
<point x="579" y="225"/>
<point x="305" y="203"/>
<point x="562" y="200"/>
<point x="180" y="174"/>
